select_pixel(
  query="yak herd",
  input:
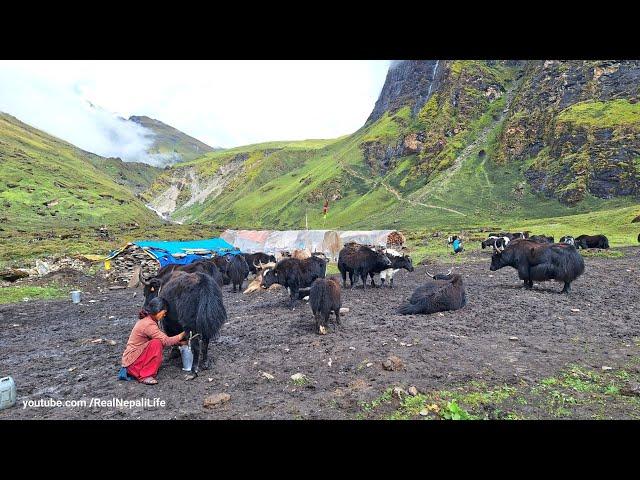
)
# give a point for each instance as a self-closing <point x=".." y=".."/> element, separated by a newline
<point x="194" y="291"/>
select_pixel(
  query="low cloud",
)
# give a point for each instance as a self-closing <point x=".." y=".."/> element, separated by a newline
<point x="62" y="111"/>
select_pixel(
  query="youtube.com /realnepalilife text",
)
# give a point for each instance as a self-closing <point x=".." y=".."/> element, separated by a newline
<point x="94" y="403"/>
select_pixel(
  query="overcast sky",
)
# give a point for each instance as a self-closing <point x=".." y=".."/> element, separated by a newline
<point x="222" y="103"/>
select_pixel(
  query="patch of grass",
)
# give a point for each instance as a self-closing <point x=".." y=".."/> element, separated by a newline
<point x="602" y="114"/>
<point x="18" y="293"/>
<point x="452" y="411"/>
<point x="385" y="397"/>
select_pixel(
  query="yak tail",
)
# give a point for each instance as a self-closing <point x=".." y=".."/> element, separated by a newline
<point x="317" y="296"/>
<point x="210" y="314"/>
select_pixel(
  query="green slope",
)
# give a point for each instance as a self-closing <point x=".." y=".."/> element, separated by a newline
<point x="281" y="183"/>
<point x="38" y="169"/>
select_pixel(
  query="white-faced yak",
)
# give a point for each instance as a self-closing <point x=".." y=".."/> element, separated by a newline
<point x="540" y="262"/>
<point x="324" y="298"/>
<point x="444" y="292"/>
<point x="398" y="261"/>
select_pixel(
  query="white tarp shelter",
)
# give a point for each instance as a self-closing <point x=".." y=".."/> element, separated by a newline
<point x="327" y="241"/>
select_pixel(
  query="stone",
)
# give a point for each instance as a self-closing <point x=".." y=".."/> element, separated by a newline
<point x="393" y="363"/>
<point x="413" y="391"/>
<point x="216" y="399"/>
<point x="297" y="377"/>
<point x="268" y="376"/>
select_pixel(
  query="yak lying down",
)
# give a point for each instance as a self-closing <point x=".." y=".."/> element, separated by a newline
<point x="444" y="292"/>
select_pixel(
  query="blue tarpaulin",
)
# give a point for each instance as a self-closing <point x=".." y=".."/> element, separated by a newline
<point x="187" y="252"/>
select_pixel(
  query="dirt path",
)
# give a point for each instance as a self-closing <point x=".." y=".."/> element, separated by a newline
<point x="46" y="347"/>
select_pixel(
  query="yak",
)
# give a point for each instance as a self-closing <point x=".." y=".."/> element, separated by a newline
<point x="592" y="241"/>
<point x="541" y="262"/>
<point x="237" y="270"/>
<point x="445" y="292"/>
<point x="221" y="262"/>
<point x="196" y="307"/>
<point x="324" y="298"/>
<point x="568" y="240"/>
<point x="254" y="259"/>
<point x="498" y="241"/>
<point x="361" y="261"/>
<point x="398" y="261"/>
<point x="203" y="266"/>
<point x="541" y="239"/>
<point x="295" y="274"/>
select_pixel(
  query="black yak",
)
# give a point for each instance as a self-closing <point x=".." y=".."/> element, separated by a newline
<point x="592" y="241"/>
<point x="255" y="259"/>
<point x="203" y="266"/>
<point x="540" y="262"/>
<point x="398" y="261"/>
<point x="361" y="261"/>
<point x="324" y="298"/>
<point x="445" y="292"/>
<point x="237" y="270"/>
<point x="195" y="306"/>
<point x="541" y="239"/>
<point x="221" y="262"/>
<point x="295" y="274"/>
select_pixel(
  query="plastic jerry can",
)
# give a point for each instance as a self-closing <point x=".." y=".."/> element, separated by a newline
<point x="7" y="392"/>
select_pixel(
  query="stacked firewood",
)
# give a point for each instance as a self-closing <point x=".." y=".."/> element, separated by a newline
<point x="395" y="239"/>
<point x="123" y="265"/>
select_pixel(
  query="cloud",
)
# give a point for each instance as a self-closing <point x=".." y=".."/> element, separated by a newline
<point x="222" y="103"/>
<point x="61" y="110"/>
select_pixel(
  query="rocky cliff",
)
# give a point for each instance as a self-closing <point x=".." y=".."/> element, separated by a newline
<point x="575" y="122"/>
<point x="579" y="121"/>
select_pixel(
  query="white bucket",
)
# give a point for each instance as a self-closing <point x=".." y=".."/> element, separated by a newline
<point x="187" y="357"/>
<point x="75" y="296"/>
<point x="7" y="392"/>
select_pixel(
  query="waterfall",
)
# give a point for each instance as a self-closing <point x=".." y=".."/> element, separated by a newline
<point x="433" y="78"/>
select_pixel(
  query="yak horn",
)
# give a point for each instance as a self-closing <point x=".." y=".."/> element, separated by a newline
<point x="429" y="273"/>
<point x="449" y="272"/>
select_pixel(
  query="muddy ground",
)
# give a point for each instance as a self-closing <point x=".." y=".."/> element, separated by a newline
<point x="46" y="347"/>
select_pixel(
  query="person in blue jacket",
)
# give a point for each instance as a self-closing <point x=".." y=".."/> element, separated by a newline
<point x="457" y="244"/>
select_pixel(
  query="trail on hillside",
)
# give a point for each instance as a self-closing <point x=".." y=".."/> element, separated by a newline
<point x="479" y="140"/>
<point x="392" y="190"/>
<point x="415" y="203"/>
<point x="448" y="174"/>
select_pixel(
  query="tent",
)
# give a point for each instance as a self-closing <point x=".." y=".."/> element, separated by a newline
<point x="327" y="241"/>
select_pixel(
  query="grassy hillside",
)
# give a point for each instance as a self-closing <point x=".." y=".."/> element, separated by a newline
<point x="173" y="143"/>
<point x="47" y="182"/>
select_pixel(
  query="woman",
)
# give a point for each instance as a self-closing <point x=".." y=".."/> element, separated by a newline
<point x="143" y="355"/>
